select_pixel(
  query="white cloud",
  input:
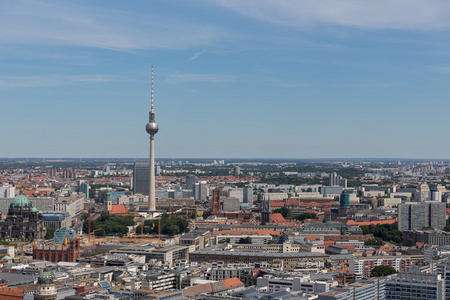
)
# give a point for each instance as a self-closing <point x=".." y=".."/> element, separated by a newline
<point x="64" y="23"/>
<point x="379" y="14"/>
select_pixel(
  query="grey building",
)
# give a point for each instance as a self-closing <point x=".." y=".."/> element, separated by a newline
<point x="141" y="178"/>
<point x="417" y="215"/>
<point x="200" y="190"/>
<point x="190" y="181"/>
<point x="415" y="286"/>
<point x="248" y="194"/>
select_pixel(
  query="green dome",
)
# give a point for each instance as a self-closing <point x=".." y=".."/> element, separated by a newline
<point x="20" y="201"/>
<point x="34" y="209"/>
<point x="45" y="278"/>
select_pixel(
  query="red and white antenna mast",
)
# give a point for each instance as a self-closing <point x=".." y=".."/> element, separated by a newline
<point x="152" y="88"/>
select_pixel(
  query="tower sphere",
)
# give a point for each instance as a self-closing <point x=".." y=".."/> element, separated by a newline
<point x="152" y="128"/>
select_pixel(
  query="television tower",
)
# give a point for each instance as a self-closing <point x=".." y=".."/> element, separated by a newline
<point x="152" y="128"/>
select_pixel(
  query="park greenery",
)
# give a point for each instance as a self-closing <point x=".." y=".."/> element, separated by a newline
<point x="304" y="216"/>
<point x="447" y="225"/>
<point x="169" y="225"/>
<point x="286" y="213"/>
<point x="380" y="271"/>
<point x="108" y="224"/>
<point x="387" y="232"/>
<point x="246" y="240"/>
<point x="49" y="234"/>
<point x="374" y="242"/>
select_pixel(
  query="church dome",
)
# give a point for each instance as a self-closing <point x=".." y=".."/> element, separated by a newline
<point x="20" y="201"/>
<point x="45" y="278"/>
<point x="34" y="210"/>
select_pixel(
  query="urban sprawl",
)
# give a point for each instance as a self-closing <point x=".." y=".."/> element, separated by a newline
<point x="224" y="229"/>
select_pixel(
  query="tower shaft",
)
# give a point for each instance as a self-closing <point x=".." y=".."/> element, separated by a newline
<point x="151" y="193"/>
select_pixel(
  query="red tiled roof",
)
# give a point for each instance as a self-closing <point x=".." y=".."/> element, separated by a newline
<point x="232" y="283"/>
<point x="277" y="218"/>
<point x="118" y="209"/>
<point x="352" y="222"/>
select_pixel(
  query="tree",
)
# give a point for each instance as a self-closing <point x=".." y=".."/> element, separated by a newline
<point x="247" y="240"/>
<point x="374" y="242"/>
<point x="304" y="216"/>
<point x="380" y="271"/>
<point x="284" y="211"/>
<point x="50" y="233"/>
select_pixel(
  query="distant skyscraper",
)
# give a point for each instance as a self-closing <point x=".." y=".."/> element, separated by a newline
<point x="415" y="215"/>
<point x="336" y="180"/>
<point x="190" y="181"/>
<point x="200" y="190"/>
<point x="248" y="194"/>
<point x="152" y="128"/>
<point x="237" y="171"/>
<point x="141" y="177"/>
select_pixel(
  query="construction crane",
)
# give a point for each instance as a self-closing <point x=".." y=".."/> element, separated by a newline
<point x="89" y="230"/>
<point x="142" y="230"/>
<point x="135" y="220"/>
<point x="94" y="234"/>
<point x="159" y="227"/>
<point x="170" y="209"/>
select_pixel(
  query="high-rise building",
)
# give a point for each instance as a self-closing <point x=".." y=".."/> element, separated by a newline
<point x="417" y="215"/>
<point x="190" y="182"/>
<point x="248" y="194"/>
<point x="237" y="171"/>
<point x="141" y="178"/>
<point x="336" y="180"/>
<point x="200" y="190"/>
<point x="344" y="201"/>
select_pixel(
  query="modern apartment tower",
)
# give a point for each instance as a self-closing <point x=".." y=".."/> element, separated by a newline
<point x="152" y="128"/>
<point x="417" y="215"/>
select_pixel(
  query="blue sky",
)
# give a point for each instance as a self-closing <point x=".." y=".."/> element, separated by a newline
<point x="233" y="79"/>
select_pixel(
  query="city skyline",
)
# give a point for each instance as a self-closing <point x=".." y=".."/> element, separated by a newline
<point x="257" y="79"/>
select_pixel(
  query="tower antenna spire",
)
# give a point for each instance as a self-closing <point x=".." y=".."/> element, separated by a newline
<point x="152" y="88"/>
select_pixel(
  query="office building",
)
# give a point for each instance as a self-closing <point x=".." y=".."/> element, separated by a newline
<point x="190" y="182"/>
<point x="248" y="194"/>
<point x="200" y="190"/>
<point x="370" y="289"/>
<point x="141" y="178"/>
<point x="415" y="286"/>
<point x="417" y="215"/>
